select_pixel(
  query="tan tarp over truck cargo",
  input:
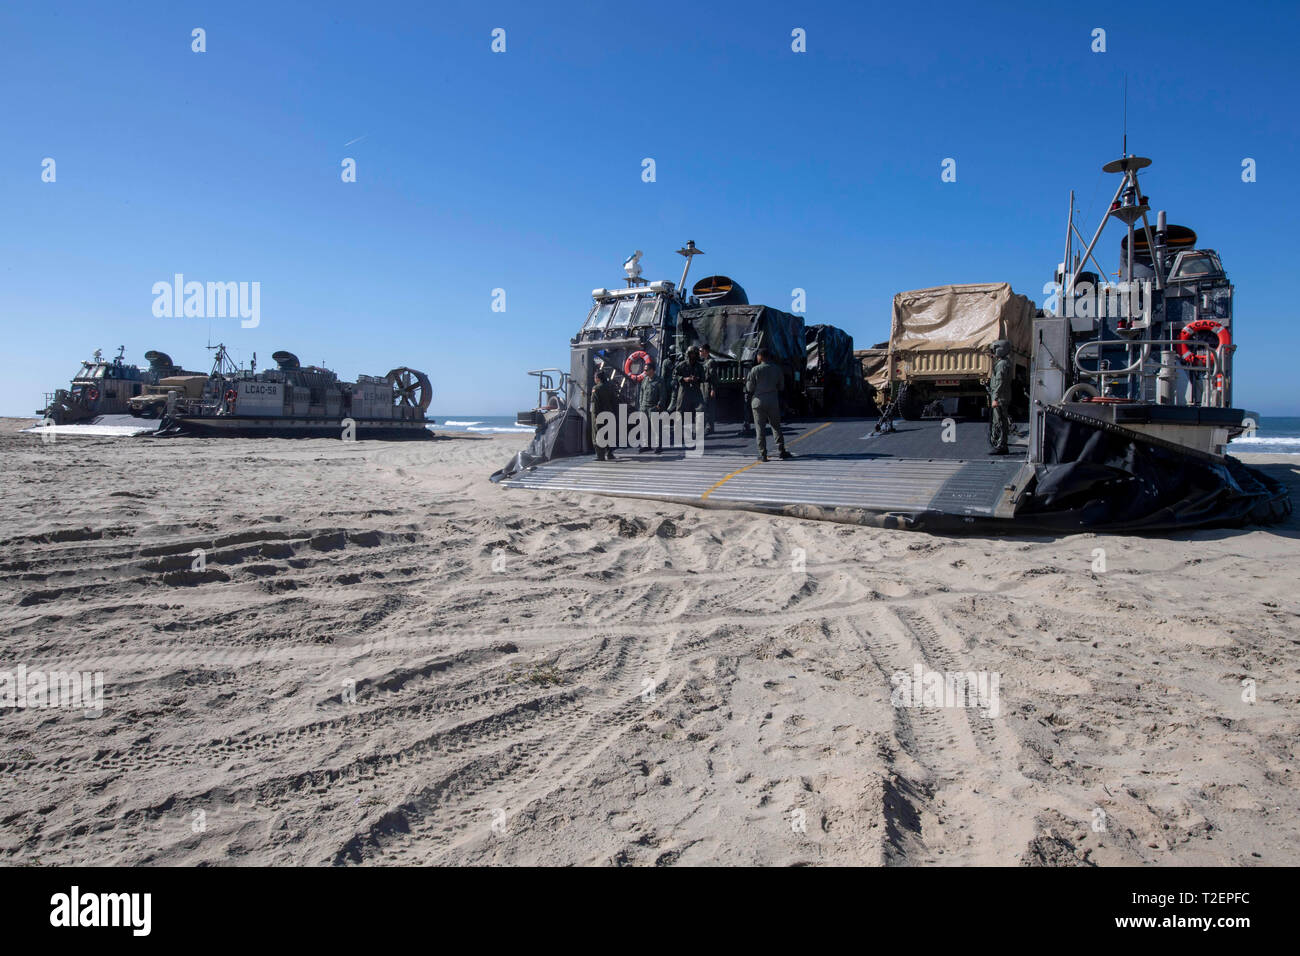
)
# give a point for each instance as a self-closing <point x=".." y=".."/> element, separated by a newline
<point x="875" y="369"/>
<point x="940" y="337"/>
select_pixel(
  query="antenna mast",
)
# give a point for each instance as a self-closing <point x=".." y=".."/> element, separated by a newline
<point x="689" y="252"/>
<point x="1124" y="150"/>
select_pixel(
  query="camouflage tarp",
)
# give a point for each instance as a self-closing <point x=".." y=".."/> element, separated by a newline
<point x="843" y="375"/>
<point x="734" y="331"/>
<point x="837" y="346"/>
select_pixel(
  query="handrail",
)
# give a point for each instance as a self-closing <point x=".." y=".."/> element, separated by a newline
<point x="547" y="388"/>
<point x="1213" y="391"/>
<point x="1135" y="368"/>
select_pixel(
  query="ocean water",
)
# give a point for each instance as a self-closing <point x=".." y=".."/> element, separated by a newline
<point x="1274" y="436"/>
<point x="483" y="424"/>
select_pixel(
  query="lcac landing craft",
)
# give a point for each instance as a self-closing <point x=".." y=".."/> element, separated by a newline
<point x="293" y="400"/>
<point x="1123" y="424"/>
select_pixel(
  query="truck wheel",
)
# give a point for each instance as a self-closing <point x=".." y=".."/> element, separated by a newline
<point x="910" y="404"/>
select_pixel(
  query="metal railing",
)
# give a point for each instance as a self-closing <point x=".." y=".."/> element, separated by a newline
<point x="1214" y="386"/>
<point x="552" y="387"/>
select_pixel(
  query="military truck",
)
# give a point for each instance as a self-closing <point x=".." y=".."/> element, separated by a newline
<point x="152" y="402"/>
<point x="939" y="360"/>
<point x="833" y="383"/>
<point x="734" y="333"/>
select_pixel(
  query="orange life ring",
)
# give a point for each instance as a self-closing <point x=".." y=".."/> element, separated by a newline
<point x="230" y="395"/>
<point x="92" y="393"/>
<point x="627" y="366"/>
<point x="1188" y="333"/>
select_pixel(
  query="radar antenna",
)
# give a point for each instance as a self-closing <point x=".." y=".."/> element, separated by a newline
<point x="632" y="266"/>
<point x="689" y="252"/>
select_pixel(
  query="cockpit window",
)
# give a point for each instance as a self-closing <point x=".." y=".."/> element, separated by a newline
<point x="600" y="314"/>
<point x="645" y="312"/>
<point x="623" y="315"/>
<point x="1197" y="265"/>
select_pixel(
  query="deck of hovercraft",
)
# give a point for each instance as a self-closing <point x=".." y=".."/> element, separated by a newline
<point x="843" y="470"/>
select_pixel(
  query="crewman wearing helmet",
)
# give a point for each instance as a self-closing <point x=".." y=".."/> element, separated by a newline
<point x="1000" y="397"/>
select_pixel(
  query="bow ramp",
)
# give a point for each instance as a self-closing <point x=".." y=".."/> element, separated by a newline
<point x="843" y="471"/>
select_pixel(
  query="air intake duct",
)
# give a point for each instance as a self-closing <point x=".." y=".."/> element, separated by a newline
<point x="719" y="290"/>
<point x="1176" y="239"/>
<point x="158" y="361"/>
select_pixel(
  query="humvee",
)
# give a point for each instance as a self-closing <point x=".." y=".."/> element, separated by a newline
<point x="152" y="401"/>
<point x="939" y="360"/>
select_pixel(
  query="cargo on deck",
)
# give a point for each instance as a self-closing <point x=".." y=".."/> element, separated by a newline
<point x="1123" y="424"/>
<point x="939" y="358"/>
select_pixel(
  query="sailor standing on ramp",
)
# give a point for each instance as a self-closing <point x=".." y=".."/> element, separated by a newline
<point x="763" y="387"/>
<point x="1000" y="397"/>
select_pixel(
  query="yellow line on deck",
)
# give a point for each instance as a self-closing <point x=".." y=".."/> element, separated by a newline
<point x="726" y="478"/>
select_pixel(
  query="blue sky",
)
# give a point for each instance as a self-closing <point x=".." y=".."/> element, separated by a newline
<point x="522" y="170"/>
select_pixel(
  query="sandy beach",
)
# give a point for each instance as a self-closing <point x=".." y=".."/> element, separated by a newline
<point x="316" y="652"/>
